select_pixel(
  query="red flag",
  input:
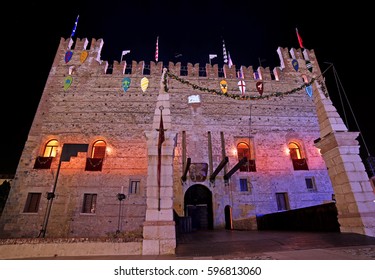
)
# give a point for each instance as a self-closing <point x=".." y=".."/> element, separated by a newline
<point x="299" y="40"/>
<point x="161" y="131"/>
<point x="157" y="49"/>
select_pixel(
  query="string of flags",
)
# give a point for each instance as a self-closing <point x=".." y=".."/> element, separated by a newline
<point x="223" y="84"/>
<point x="126" y="81"/>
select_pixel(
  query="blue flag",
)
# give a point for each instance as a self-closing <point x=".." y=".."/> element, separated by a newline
<point x="75" y="27"/>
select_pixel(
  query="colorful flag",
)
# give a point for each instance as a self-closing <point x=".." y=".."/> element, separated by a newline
<point x="259" y="86"/>
<point x="157" y="49"/>
<point x="299" y="40"/>
<point x="256" y="75"/>
<point x="230" y="63"/>
<point x="75" y="27"/>
<point x="240" y="74"/>
<point x="225" y="56"/>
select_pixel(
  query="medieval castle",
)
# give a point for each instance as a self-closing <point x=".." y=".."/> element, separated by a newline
<point x="127" y="148"/>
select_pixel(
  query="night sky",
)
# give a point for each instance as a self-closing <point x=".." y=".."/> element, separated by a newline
<point x="191" y="30"/>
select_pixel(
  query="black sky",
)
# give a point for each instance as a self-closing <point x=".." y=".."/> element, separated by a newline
<point x="252" y="30"/>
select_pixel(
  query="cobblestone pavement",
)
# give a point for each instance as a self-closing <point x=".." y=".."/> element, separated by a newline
<point x="259" y="245"/>
<point x="274" y="245"/>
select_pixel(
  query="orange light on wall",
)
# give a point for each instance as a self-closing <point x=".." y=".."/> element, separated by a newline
<point x="234" y="152"/>
<point x="109" y="150"/>
<point x="286" y="151"/>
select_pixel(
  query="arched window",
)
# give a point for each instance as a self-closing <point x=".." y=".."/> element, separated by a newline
<point x="294" y="150"/>
<point x="243" y="150"/>
<point x="299" y="161"/>
<point x="95" y="162"/>
<point x="98" y="149"/>
<point x="50" y="151"/>
<point x="51" y="148"/>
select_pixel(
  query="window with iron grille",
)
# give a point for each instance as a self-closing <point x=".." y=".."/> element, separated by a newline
<point x="243" y="185"/>
<point x="89" y="203"/>
<point x="134" y="186"/>
<point x="32" y="203"/>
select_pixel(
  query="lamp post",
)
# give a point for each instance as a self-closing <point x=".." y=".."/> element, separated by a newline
<point x="120" y="196"/>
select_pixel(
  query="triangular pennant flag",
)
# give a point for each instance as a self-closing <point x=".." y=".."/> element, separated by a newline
<point x="259" y="86"/>
<point x="125" y="83"/>
<point x="83" y="56"/>
<point x="223" y="86"/>
<point x="157" y="49"/>
<point x="68" y="56"/>
<point x="144" y="84"/>
<point x="225" y="56"/>
<point x="309" y="90"/>
<point x="242" y="86"/>
<point x="309" y="65"/>
<point x="299" y="39"/>
<point x="295" y="64"/>
<point x="68" y="82"/>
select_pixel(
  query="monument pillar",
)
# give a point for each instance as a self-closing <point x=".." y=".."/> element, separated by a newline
<point x="159" y="233"/>
<point x="355" y="199"/>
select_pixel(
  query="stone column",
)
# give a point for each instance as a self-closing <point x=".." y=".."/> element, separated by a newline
<point x="159" y="234"/>
<point x="355" y="199"/>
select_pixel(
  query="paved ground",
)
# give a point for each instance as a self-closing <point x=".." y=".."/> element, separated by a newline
<point x="263" y="245"/>
<point x="275" y="245"/>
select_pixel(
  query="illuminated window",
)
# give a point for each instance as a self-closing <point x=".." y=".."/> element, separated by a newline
<point x="98" y="149"/>
<point x="32" y="203"/>
<point x="89" y="203"/>
<point x="295" y="152"/>
<point x="95" y="162"/>
<point x="299" y="162"/>
<point x="243" y="150"/>
<point x="50" y="151"/>
<point x="51" y="148"/>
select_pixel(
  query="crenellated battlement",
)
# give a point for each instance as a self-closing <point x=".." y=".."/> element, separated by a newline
<point x="292" y="62"/>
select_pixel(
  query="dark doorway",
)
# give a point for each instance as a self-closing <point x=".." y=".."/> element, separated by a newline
<point x="228" y="217"/>
<point x="198" y="205"/>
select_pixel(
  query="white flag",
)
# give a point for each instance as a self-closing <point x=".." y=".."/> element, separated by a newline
<point x="157" y="49"/>
<point x="225" y="53"/>
<point x="124" y="53"/>
<point x="230" y="63"/>
<point x="212" y="56"/>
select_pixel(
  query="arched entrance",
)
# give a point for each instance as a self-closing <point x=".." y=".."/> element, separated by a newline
<point x="198" y="206"/>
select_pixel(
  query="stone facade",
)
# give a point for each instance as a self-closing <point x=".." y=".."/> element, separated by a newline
<point x="200" y="133"/>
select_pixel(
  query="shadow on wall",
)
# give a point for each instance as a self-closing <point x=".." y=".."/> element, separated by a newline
<point x="314" y="218"/>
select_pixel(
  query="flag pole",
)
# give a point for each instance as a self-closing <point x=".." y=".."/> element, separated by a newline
<point x="160" y="142"/>
<point x="50" y="197"/>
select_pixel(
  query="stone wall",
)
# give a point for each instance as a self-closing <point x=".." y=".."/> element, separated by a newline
<point x="96" y="107"/>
